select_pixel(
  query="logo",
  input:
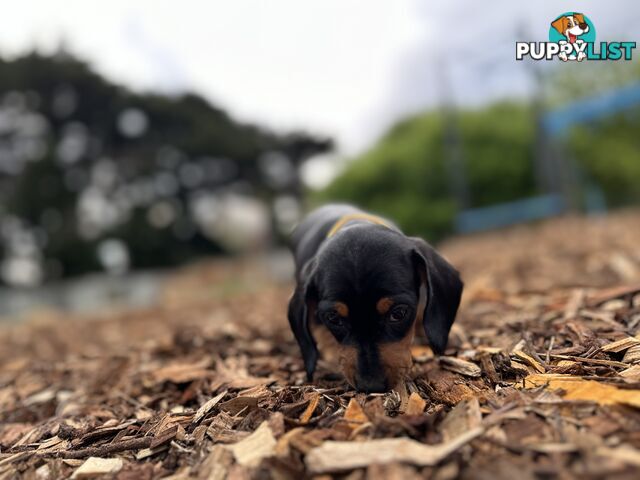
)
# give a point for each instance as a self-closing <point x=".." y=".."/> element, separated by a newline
<point x="573" y="32"/>
<point x="572" y="37"/>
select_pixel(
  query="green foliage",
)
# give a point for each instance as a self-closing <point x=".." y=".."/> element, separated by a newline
<point x="579" y="80"/>
<point x="405" y="176"/>
<point x="609" y="152"/>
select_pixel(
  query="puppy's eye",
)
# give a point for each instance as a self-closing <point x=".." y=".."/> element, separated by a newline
<point x="332" y="317"/>
<point x="398" y="313"/>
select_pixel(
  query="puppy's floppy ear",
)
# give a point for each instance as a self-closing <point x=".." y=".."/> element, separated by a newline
<point x="302" y="310"/>
<point x="579" y="17"/>
<point x="444" y="289"/>
<point x="561" y="24"/>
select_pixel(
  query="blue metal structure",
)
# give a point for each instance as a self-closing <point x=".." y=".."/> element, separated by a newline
<point x="503" y="214"/>
<point x="558" y="121"/>
<point x="555" y="124"/>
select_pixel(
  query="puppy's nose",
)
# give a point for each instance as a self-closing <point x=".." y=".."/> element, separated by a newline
<point x="371" y="384"/>
<point x="584" y="26"/>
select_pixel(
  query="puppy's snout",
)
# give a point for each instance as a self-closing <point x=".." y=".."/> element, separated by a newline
<point x="584" y="26"/>
<point x="371" y="384"/>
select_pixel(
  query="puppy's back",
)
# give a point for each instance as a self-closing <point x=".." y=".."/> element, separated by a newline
<point x="313" y="229"/>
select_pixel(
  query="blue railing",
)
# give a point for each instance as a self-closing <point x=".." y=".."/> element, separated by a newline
<point x="605" y="104"/>
<point x="503" y="214"/>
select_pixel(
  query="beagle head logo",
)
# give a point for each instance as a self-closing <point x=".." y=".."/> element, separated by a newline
<point x="573" y="31"/>
<point x="571" y="26"/>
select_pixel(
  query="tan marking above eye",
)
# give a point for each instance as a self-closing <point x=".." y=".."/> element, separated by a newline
<point x="342" y="309"/>
<point x="383" y="305"/>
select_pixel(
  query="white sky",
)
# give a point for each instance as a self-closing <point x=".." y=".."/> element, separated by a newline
<point x="284" y="63"/>
<point x="347" y="68"/>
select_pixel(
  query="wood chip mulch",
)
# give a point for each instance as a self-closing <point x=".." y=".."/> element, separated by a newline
<point x="541" y="378"/>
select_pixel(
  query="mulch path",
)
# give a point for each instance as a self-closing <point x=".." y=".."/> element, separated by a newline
<point x="541" y="378"/>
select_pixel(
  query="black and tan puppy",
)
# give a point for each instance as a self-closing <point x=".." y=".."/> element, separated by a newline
<point x="362" y="287"/>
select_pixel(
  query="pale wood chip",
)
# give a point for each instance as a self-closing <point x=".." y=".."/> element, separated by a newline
<point x="53" y="444"/>
<point x="149" y="452"/>
<point x="165" y="435"/>
<point x="462" y="418"/>
<point x="576" y="301"/>
<point x="250" y="451"/>
<point x="624" y="266"/>
<point x="632" y="355"/>
<point x="462" y="367"/>
<point x="259" y="392"/>
<point x="614" y="305"/>
<point x="16" y="457"/>
<point x="631" y="374"/>
<point x="529" y="360"/>
<point x="43" y="396"/>
<point x="566" y="363"/>
<point x="207" y="407"/>
<point x="216" y="465"/>
<point x="282" y="447"/>
<point x="402" y="391"/>
<point x="552" y="447"/>
<point x="621" y="345"/>
<point x="340" y="456"/>
<point x="593" y="361"/>
<point x="95" y="466"/>
<point x="489" y="350"/>
<point x="624" y="453"/>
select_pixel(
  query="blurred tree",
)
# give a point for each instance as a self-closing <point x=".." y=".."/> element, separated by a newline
<point x="404" y="175"/>
<point x="606" y="150"/>
<point x="609" y="152"/>
<point x="83" y="160"/>
<point x="575" y="81"/>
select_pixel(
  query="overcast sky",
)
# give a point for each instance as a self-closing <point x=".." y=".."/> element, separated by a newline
<point x="347" y="68"/>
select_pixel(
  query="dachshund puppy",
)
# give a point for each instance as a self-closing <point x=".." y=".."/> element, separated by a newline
<point x="362" y="288"/>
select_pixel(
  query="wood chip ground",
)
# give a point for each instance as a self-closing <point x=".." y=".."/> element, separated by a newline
<point x="541" y="378"/>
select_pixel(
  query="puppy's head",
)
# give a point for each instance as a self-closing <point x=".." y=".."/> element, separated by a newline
<point x="571" y="25"/>
<point x="365" y="291"/>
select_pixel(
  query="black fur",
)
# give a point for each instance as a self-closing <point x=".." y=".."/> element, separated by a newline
<point x="360" y="264"/>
